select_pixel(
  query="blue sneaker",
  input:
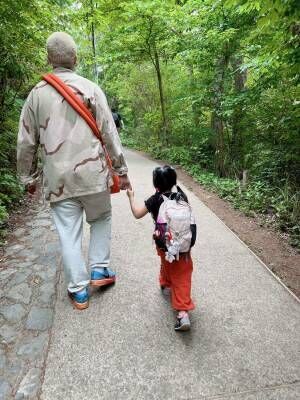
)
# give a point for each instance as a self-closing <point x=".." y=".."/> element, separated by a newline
<point x="80" y="300"/>
<point x="102" y="277"/>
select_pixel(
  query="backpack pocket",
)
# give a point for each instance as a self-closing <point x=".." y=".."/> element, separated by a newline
<point x="160" y="235"/>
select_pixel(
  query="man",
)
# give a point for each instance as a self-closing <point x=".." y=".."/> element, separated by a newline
<point x="117" y="119"/>
<point x="76" y="175"/>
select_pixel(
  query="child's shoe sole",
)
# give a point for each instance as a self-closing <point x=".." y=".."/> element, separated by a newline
<point x="183" y="327"/>
<point x="183" y="323"/>
<point x="102" y="282"/>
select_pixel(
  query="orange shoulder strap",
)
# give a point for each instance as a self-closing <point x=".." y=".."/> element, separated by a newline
<point x="74" y="102"/>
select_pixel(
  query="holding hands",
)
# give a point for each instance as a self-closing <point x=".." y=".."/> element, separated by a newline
<point x="125" y="182"/>
<point x="137" y="211"/>
<point x="31" y="188"/>
<point x="130" y="193"/>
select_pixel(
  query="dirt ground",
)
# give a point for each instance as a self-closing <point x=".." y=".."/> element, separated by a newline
<point x="267" y="244"/>
<point x="282" y="259"/>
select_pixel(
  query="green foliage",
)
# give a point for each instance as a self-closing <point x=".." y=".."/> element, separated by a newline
<point x="10" y="189"/>
<point x="210" y="85"/>
<point x="24" y="28"/>
<point x="278" y="206"/>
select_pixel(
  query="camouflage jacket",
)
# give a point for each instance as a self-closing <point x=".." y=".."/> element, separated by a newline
<point x="72" y="157"/>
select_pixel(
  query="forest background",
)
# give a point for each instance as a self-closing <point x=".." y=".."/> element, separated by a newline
<point x="211" y="85"/>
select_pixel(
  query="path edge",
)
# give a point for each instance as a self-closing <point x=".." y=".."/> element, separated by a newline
<point x="149" y="157"/>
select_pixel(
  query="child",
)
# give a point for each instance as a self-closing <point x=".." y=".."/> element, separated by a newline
<point x="175" y="277"/>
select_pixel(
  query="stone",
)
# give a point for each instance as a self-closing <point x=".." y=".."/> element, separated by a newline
<point x="42" y="222"/>
<point x="46" y="292"/>
<point x="37" y="245"/>
<point x="20" y="293"/>
<point x="36" y="280"/>
<point x="29" y="385"/>
<point x="39" y="267"/>
<point x="46" y="274"/>
<point x="28" y="255"/>
<point x="19" y="232"/>
<point x="13" y="312"/>
<point x="48" y="260"/>
<point x="14" y="249"/>
<point x="24" y="265"/>
<point x="43" y="215"/>
<point x="18" y="278"/>
<point x="33" y="347"/>
<point x="8" y="334"/>
<point x="6" y="273"/>
<point x="53" y="248"/>
<point x="38" y="233"/>
<point x="2" y="359"/>
<point x="39" y="318"/>
<point x="15" y="370"/>
<point x="5" y="389"/>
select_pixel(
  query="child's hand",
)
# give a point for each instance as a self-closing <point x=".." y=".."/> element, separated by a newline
<point x="130" y="193"/>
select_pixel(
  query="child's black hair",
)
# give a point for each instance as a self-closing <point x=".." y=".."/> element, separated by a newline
<point x="164" y="178"/>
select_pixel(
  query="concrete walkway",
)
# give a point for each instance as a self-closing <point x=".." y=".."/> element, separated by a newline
<point x="245" y="334"/>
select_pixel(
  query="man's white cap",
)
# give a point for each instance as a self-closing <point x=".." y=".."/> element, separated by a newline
<point x="61" y="50"/>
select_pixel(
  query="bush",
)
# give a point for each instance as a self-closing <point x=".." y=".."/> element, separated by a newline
<point x="282" y="206"/>
<point x="11" y="190"/>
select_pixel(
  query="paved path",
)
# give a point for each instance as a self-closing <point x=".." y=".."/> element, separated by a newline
<point x="245" y="334"/>
<point x="243" y="344"/>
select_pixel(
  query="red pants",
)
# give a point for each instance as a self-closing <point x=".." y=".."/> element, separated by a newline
<point x="178" y="277"/>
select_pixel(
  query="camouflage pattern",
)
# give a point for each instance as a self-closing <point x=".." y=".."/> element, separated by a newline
<point x="73" y="159"/>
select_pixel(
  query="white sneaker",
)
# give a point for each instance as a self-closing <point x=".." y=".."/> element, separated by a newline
<point x="183" y="322"/>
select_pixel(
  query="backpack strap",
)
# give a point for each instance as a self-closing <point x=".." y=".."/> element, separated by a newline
<point x="165" y="198"/>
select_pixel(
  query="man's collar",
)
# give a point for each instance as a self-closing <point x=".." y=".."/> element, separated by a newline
<point x="62" y="69"/>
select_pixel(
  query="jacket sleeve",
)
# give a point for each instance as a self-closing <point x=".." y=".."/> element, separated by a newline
<point x="109" y="132"/>
<point x="27" y="144"/>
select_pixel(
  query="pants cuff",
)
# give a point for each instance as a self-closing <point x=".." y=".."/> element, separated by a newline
<point x="77" y="288"/>
<point x="99" y="267"/>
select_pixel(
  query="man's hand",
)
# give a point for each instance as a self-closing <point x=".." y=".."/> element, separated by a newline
<point x="125" y="182"/>
<point x="31" y="188"/>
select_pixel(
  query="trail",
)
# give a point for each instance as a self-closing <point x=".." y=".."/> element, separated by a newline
<point x="244" y="338"/>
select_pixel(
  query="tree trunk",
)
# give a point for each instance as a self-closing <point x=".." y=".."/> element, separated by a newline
<point x="217" y="122"/>
<point x="195" y="108"/>
<point x="240" y="78"/>
<point x="161" y="96"/>
<point x="3" y="84"/>
<point x="93" y="40"/>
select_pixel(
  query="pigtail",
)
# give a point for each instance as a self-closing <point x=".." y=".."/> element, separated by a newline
<point x="180" y="195"/>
